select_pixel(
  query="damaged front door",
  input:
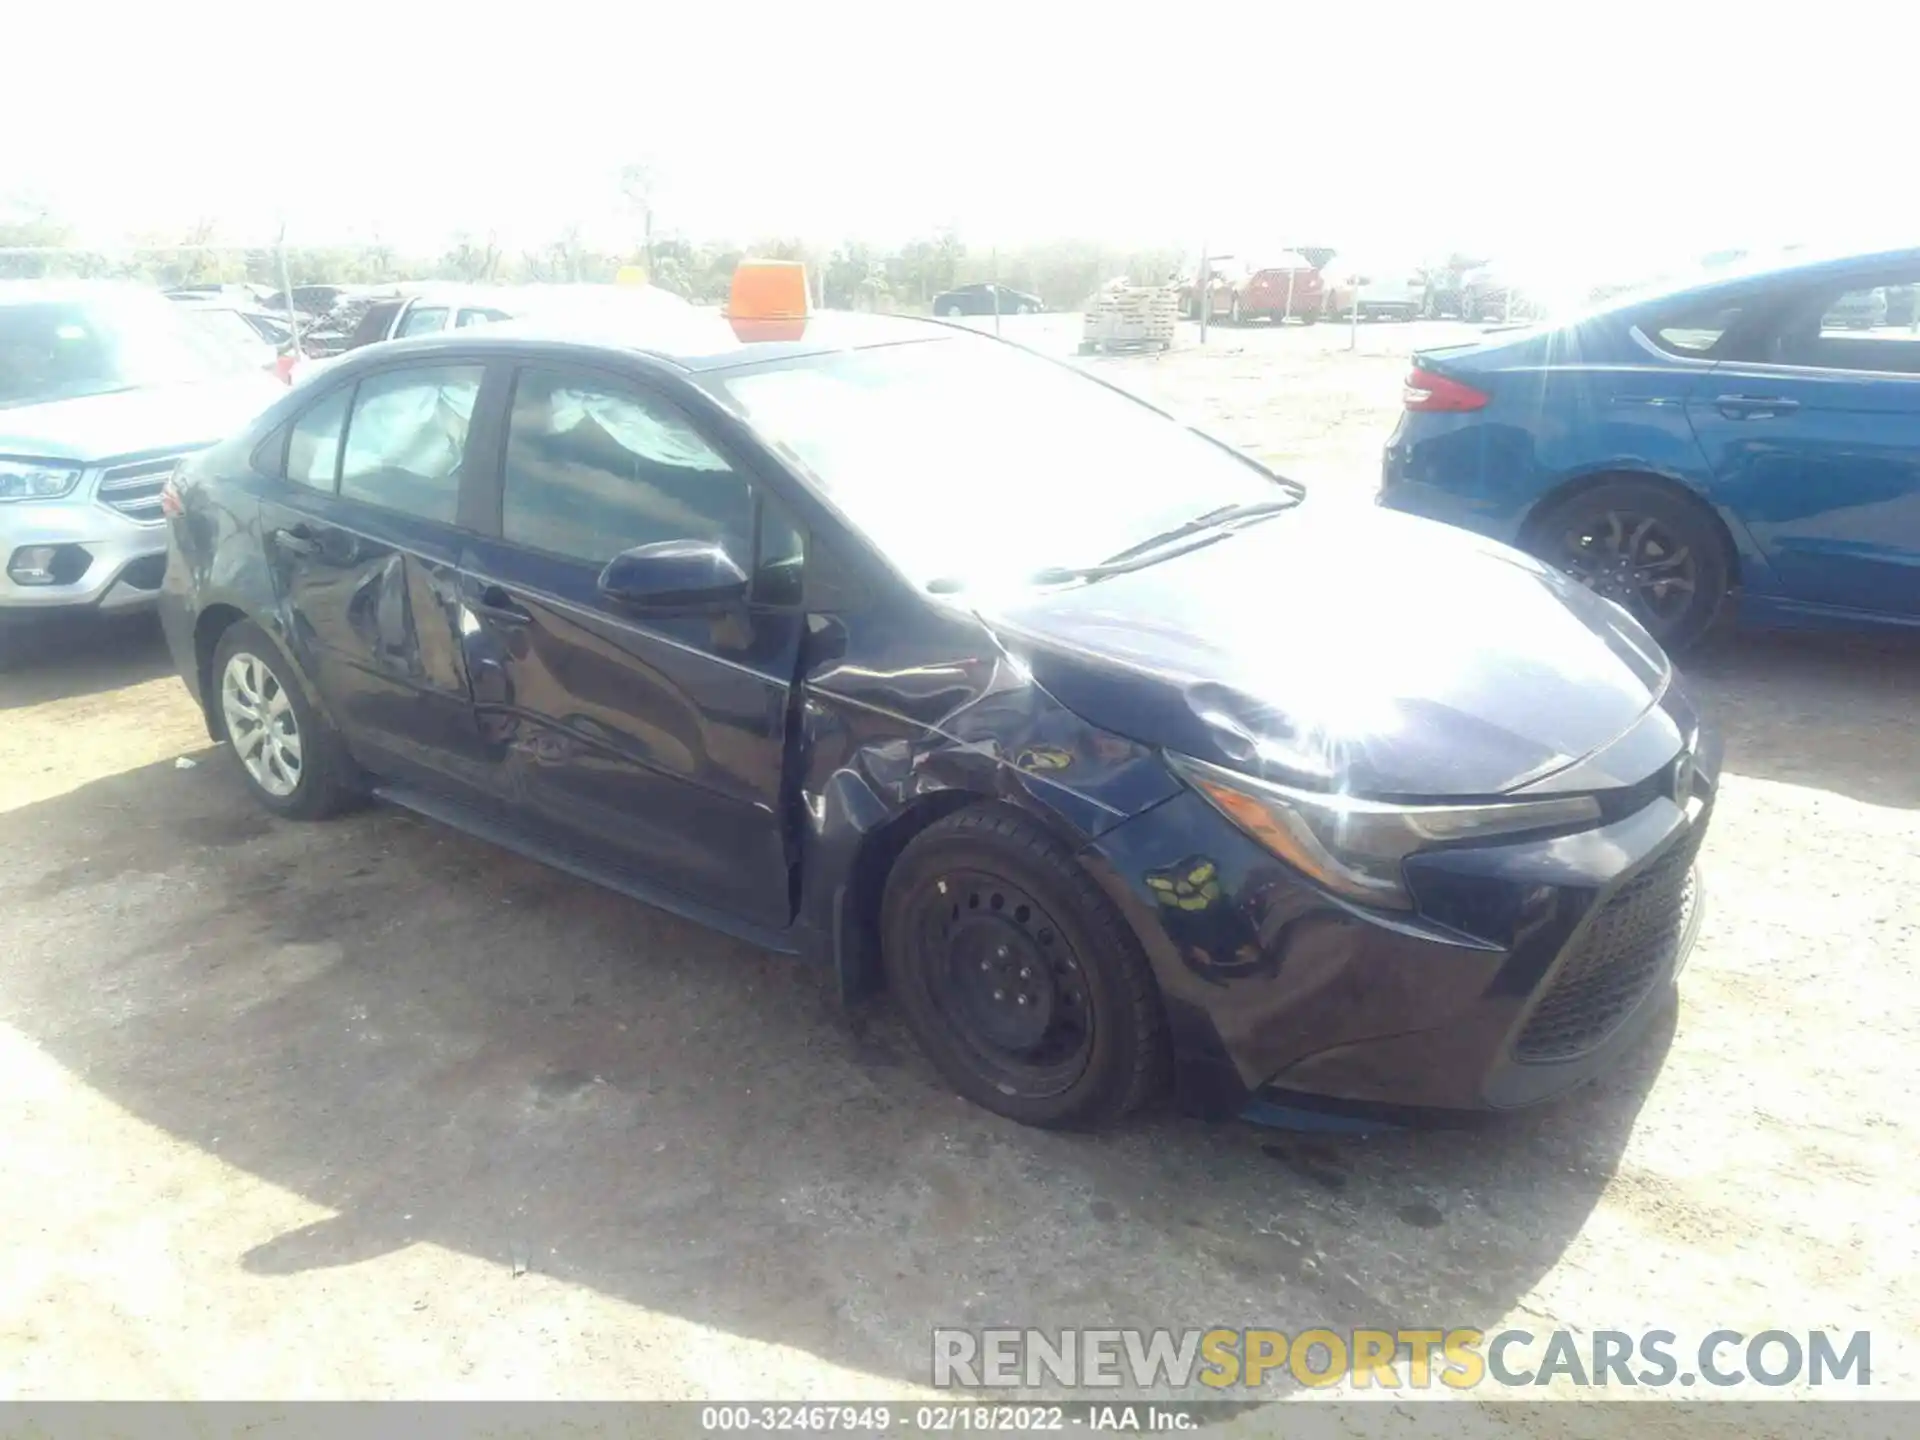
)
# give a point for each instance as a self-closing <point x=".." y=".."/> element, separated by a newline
<point x="646" y="733"/>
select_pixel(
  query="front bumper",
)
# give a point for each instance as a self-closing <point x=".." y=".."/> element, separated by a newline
<point x="1396" y="309"/>
<point x="108" y="561"/>
<point x="1528" y="968"/>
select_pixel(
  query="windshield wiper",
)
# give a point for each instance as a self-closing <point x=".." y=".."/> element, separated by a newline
<point x="1226" y="518"/>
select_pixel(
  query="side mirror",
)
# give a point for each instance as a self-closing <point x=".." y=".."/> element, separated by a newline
<point x="674" y="574"/>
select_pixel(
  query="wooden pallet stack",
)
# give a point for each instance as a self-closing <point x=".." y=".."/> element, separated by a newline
<point x="1130" y="317"/>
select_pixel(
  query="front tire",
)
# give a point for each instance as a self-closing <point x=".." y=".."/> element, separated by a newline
<point x="289" y="755"/>
<point x="1644" y="547"/>
<point x="1021" y="982"/>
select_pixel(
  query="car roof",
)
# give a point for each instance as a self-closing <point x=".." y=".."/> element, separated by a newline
<point x="457" y="292"/>
<point x="696" y="340"/>
<point x="1806" y="265"/>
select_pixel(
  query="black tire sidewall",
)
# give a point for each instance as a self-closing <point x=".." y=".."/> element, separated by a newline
<point x="318" y="790"/>
<point x="1682" y="516"/>
<point x="1102" y="1091"/>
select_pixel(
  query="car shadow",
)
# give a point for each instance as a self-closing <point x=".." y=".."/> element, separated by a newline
<point x="66" y="658"/>
<point x="1829" y="711"/>
<point x="439" y="1042"/>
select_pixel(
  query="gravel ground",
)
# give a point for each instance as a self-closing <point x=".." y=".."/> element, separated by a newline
<point x="371" y="1109"/>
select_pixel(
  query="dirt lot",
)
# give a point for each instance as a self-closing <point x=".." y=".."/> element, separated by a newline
<point x="371" y="1109"/>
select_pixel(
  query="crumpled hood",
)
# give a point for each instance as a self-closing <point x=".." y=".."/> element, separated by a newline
<point x="1362" y="650"/>
<point x="151" y="419"/>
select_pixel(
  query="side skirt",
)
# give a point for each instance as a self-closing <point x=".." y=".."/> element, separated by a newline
<point x="484" y="827"/>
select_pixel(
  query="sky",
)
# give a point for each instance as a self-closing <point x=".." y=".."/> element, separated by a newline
<point x="1605" y="140"/>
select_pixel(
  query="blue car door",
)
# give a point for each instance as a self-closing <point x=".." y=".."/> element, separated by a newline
<point x="653" y="742"/>
<point x="360" y="520"/>
<point x="1813" y="434"/>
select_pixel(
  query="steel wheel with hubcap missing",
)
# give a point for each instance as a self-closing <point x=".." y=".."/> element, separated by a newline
<point x="1651" y="551"/>
<point x="1017" y="976"/>
<point x="1012" y="989"/>
<point x="261" y="724"/>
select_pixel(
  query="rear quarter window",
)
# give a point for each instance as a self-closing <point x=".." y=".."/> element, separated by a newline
<point x="1695" y="330"/>
<point x="313" y="442"/>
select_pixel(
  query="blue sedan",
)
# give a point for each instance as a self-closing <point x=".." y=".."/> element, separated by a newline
<point x="1756" y="436"/>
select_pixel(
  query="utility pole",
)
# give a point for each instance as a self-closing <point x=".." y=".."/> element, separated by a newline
<point x="993" y="269"/>
<point x="1203" y="292"/>
<point x="286" y="288"/>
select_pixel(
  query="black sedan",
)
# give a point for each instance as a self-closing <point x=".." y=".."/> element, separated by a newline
<point x="986" y="300"/>
<point x="1115" y="759"/>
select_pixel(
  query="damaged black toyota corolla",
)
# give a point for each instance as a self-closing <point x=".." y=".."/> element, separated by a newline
<point x="1117" y="762"/>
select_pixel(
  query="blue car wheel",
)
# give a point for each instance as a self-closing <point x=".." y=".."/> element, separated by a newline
<point x="1655" y="553"/>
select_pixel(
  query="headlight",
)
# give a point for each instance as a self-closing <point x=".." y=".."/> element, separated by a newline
<point x="1354" y="847"/>
<point x="28" y="480"/>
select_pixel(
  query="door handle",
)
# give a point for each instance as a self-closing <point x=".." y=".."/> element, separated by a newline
<point x="296" y="541"/>
<point x="1754" y="407"/>
<point x="496" y="604"/>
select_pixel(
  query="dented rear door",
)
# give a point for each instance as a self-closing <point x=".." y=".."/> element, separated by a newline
<point x="366" y="569"/>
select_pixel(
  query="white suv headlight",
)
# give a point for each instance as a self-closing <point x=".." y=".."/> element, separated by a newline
<point x="1354" y="847"/>
<point x="32" y="480"/>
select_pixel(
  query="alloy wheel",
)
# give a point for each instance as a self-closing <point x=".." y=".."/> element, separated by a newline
<point x="261" y="724"/>
<point x="1635" y="561"/>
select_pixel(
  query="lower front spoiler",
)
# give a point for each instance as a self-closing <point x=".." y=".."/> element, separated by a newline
<point x="1650" y="1024"/>
<point x="1287" y="1007"/>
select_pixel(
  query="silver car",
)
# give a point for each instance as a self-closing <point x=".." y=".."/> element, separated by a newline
<point x="103" y="386"/>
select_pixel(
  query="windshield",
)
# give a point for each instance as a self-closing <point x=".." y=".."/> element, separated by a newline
<point x="64" y="349"/>
<point x="974" y="461"/>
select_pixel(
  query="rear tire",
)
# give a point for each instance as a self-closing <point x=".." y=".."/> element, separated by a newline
<point x="1022" y="983"/>
<point x="290" y="756"/>
<point x="1649" y="549"/>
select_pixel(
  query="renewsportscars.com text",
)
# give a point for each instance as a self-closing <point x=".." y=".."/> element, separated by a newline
<point x="1458" y="1359"/>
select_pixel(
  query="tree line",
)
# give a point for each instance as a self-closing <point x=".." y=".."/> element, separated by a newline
<point x="851" y="275"/>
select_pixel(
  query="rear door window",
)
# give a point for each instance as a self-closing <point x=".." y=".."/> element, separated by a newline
<point x="407" y="438"/>
<point x="1853" y="325"/>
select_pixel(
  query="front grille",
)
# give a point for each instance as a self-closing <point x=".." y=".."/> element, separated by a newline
<point x="134" y="490"/>
<point x="1623" y="951"/>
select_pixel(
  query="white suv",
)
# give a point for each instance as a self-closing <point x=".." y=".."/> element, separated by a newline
<point x="103" y="387"/>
